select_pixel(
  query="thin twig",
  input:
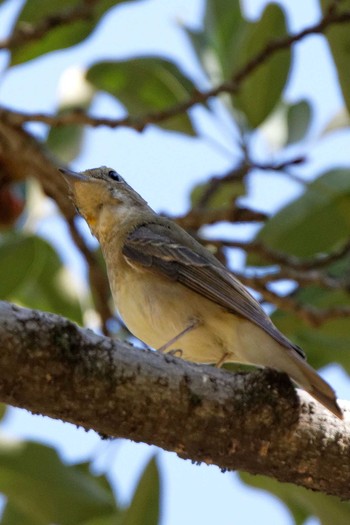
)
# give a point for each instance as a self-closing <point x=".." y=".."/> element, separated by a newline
<point x="231" y="86"/>
<point x="310" y="314"/>
<point x="27" y="32"/>
<point x="197" y="217"/>
<point x="320" y="260"/>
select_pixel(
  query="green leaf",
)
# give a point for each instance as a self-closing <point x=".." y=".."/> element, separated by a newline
<point x="228" y="42"/>
<point x="318" y="221"/>
<point x="223" y="196"/>
<point x="65" y="142"/>
<point x="217" y="44"/>
<point x="261" y="90"/>
<point x="328" y="342"/>
<point x="298" y="121"/>
<point x="338" y="37"/>
<point x="144" y="508"/>
<point x="303" y="503"/>
<point x="35" y="12"/>
<point x="32" y="275"/>
<point x="40" y="489"/>
<point x="145" y="85"/>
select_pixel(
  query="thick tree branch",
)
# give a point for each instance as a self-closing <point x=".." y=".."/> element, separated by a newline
<point x="248" y="421"/>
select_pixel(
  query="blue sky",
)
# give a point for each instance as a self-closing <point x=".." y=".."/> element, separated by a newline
<point x="163" y="168"/>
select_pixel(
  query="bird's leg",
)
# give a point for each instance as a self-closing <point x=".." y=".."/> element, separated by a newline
<point x="188" y="328"/>
<point x="222" y="360"/>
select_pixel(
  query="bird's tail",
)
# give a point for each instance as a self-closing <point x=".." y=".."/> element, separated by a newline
<point x="259" y="348"/>
<point x="308" y="379"/>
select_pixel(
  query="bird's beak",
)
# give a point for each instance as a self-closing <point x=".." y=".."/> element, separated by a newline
<point x="72" y="176"/>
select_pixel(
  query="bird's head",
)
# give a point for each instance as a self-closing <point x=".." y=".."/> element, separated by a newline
<point x="100" y="194"/>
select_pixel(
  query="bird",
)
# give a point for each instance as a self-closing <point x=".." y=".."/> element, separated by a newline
<point x="174" y="294"/>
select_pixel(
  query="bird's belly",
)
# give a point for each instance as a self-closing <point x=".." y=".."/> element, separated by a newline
<point x="157" y="311"/>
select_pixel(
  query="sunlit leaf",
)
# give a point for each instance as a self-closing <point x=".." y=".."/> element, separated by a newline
<point x="146" y="85"/>
<point x="34" y="12"/>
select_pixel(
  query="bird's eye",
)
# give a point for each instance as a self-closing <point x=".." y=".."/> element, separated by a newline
<point x="114" y="175"/>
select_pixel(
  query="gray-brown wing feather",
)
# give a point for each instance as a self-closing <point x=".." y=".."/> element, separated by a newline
<point x="157" y="248"/>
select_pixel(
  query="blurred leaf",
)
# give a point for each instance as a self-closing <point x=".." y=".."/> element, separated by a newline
<point x="262" y="89"/>
<point x="40" y="489"/>
<point x="144" y="508"/>
<point x="66" y="35"/>
<point x="65" y="141"/>
<point x="145" y="85"/>
<point x="75" y="95"/>
<point x="223" y="195"/>
<point x="303" y="503"/>
<point x="329" y="342"/>
<point x="32" y="275"/>
<point x="338" y="37"/>
<point x="298" y="121"/>
<point x="217" y="44"/>
<point x="318" y="221"/>
<point x="3" y="410"/>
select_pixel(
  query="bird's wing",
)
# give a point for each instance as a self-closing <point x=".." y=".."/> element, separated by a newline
<point x="159" y="249"/>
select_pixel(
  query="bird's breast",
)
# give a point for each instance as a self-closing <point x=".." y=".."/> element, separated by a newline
<point x="156" y="309"/>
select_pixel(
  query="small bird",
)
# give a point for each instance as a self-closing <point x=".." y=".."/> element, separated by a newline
<point x="173" y="294"/>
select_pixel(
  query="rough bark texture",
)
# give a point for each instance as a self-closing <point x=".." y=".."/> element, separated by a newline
<point x="248" y="421"/>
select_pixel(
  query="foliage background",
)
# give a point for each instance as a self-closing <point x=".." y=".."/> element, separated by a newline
<point x="282" y="114"/>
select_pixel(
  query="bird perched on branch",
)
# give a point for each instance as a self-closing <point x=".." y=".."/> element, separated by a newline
<point x="173" y="294"/>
